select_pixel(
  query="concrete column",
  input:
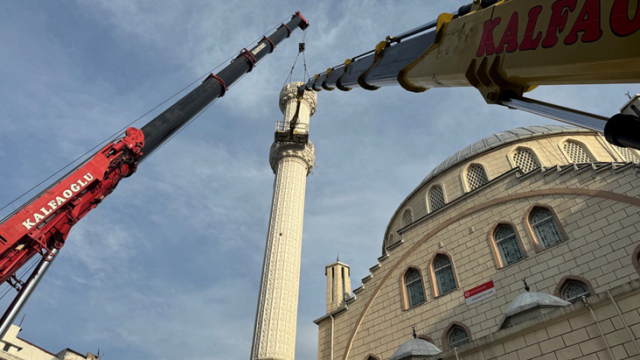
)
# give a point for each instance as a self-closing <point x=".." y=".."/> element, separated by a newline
<point x="275" y="328"/>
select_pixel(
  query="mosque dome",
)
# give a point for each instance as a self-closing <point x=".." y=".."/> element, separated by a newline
<point x="415" y="349"/>
<point x="498" y="140"/>
<point x="529" y="305"/>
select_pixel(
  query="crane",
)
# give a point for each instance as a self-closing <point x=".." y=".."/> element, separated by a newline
<point x="507" y="48"/>
<point x="41" y="225"/>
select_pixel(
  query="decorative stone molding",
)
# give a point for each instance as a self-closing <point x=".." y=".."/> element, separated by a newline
<point x="282" y="150"/>
<point x="290" y="93"/>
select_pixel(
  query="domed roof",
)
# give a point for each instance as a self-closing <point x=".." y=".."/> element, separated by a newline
<point x="481" y="146"/>
<point x="529" y="301"/>
<point x="498" y="140"/>
<point x="415" y="347"/>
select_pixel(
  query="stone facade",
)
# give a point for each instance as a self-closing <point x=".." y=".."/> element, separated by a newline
<point x="275" y="328"/>
<point x="15" y="348"/>
<point x="595" y="207"/>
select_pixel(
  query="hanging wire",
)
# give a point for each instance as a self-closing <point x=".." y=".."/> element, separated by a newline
<point x="121" y="131"/>
<point x="34" y="261"/>
<point x="305" y="74"/>
<point x="291" y="72"/>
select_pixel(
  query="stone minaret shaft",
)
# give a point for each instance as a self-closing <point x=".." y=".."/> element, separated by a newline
<point x="275" y="328"/>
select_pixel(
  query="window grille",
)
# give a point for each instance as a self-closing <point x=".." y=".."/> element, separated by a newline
<point x="436" y="198"/>
<point x="407" y="217"/>
<point x="413" y="284"/>
<point x="545" y="228"/>
<point x="457" y="337"/>
<point x="443" y="271"/>
<point x="525" y="160"/>
<point x="627" y="154"/>
<point x="476" y="177"/>
<point x="507" y="244"/>
<point x="576" y="152"/>
<point x="575" y="290"/>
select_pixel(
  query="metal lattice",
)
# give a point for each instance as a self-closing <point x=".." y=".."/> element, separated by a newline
<point x="545" y="228"/>
<point x="415" y="292"/>
<point x="574" y="290"/>
<point x="507" y="244"/>
<point x="525" y="160"/>
<point x="476" y="177"/>
<point x="627" y="154"/>
<point x="457" y="337"/>
<point x="436" y="198"/>
<point x="444" y="274"/>
<point x="576" y="152"/>
<point x="407" y="217"/>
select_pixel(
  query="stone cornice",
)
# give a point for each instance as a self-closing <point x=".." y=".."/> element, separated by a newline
<point x="290" y="92"/>
<point x="282" y="150"/>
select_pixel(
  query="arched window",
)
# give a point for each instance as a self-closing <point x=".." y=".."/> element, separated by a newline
<point x="476" y="176"/>
<point x="443" y="274"/>
<point x="627" y="154"/>
<point x="545" y="228"/>
<point x="413" y="287"/>
<point x="525" y="159"/>
<point x="507" y="245"/>
<point x="436" y="198"/>
<point x="372" y="357"/>
<point x="457" y="337"/>
<point x="574" y="290"/>
<point x="576" y="152"/>
<point x="407" y="217"/>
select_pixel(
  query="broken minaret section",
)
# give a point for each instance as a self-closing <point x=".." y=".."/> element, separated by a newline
<point x="291" y="158"/>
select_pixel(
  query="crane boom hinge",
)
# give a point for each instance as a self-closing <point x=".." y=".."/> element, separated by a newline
<point x="286" y="27"/>
<point x="339" y="85"/>
<point x="273" y="46"/>
<point x="377" y="56"/>
<point x="324" y="83"/>
<point x="218" y="79"/>
<point x="249" y="56"/>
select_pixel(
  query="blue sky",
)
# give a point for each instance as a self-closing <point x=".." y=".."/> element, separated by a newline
<point x="169" y="265"/>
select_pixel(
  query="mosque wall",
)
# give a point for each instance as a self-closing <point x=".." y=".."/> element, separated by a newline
<point x="596" y="209"/>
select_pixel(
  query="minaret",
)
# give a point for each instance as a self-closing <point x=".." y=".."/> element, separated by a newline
<point x="338" y="284"/>
<point x="291" y="158"/>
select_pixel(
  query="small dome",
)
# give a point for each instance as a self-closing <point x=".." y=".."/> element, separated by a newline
<point x="415" y="347"/>
<point x="529" y="305"/>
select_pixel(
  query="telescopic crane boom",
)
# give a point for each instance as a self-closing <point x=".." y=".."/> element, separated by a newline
<point x="41" y="226"/>
<point x="506" y="48"/>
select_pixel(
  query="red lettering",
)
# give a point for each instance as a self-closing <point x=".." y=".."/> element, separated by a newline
<point x="560" y="12"/>
<point x="621" y="24"/>
<point x="486" y="43"/>
<point x="529" y="42"/>
<point x="588" y="22"/>
<point x="510" y="36"/>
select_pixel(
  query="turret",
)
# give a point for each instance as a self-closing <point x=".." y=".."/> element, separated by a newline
<point x="338" y="284"/>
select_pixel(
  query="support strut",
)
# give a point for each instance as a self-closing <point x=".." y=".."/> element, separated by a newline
<point x="26" y="291"/>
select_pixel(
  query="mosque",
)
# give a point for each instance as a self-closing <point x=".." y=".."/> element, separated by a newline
<point x="523" y="245"/>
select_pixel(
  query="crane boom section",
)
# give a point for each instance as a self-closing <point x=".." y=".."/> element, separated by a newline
<point x="519" y="44"/>
<point x="514" y="45"/>
<point x="43" y="223"/>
